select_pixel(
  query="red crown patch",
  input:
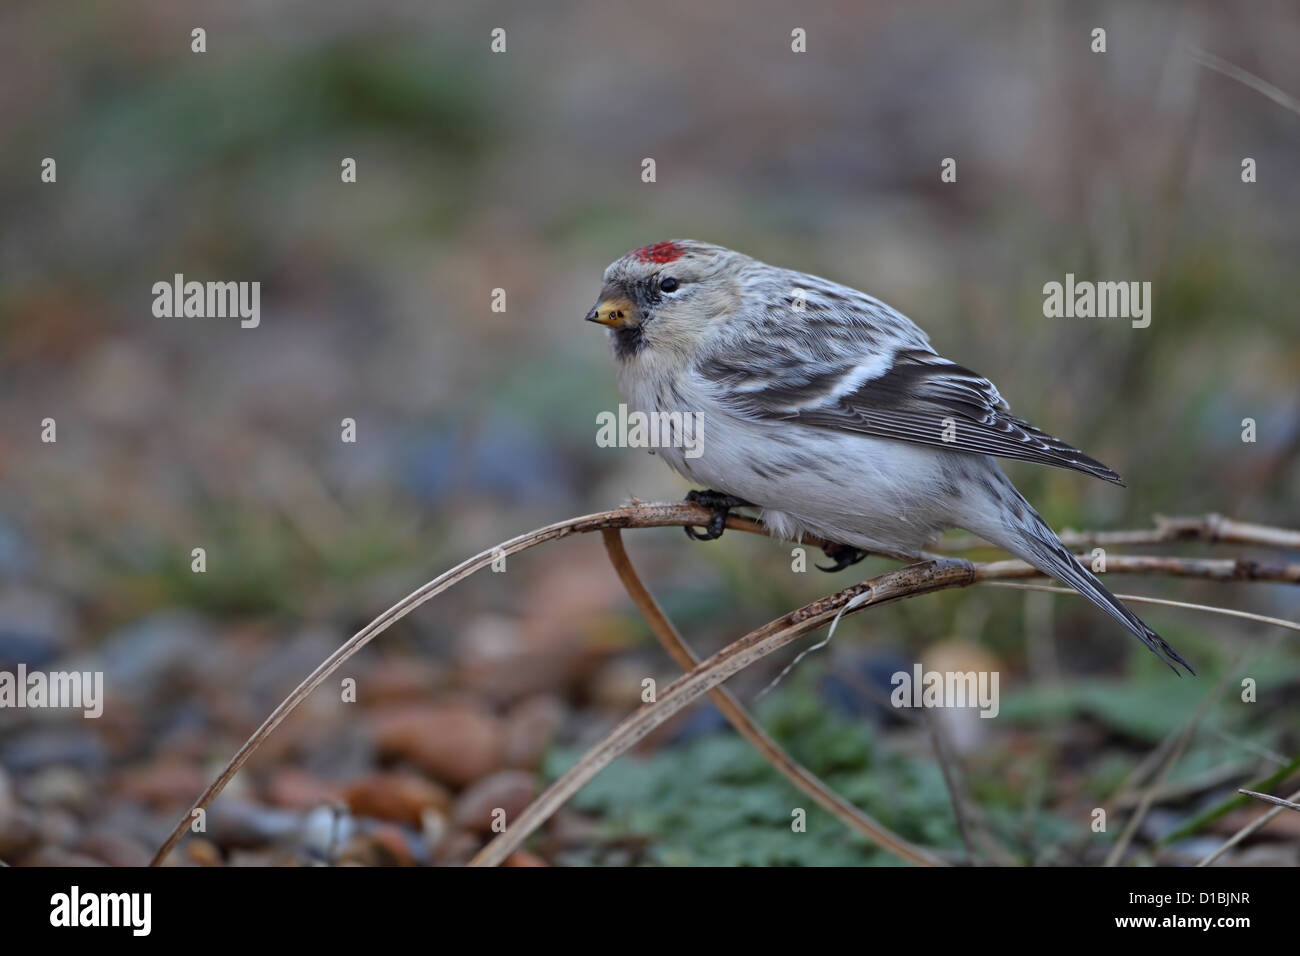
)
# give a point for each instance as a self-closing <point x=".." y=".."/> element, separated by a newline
<point x="659" y="252"/>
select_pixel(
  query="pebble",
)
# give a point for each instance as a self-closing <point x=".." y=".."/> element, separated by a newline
<point x="508" y="790"/>
<point x="457" y="743"/>
<point x="383" y="844"/>
<point x="141" y="653"/>
<point x="47" y="746"/>
<point x="8" y="803"/>
<point x="34" y="627"/>
<point x="57" y="826"/>
<point x="20" y="834"/>
<point x="244" y="825"/>
<point x="401" y="798"/>
<point x="433" y="829"/>
<point x="202" y="852"/>
<point x="399" y="679"/>
<point x="297" y="789"/>
<point x="618" y="685"/>
<point x="57" y="856"/>
<point x="457" y="848"/>
<point x="114" y="849"/>
<point x="57" y="786"/>
<point x="531" y="726"/>
<point x="165" y="785"/>
<point x="524" y="858"/>
<point x="325" y="830"/>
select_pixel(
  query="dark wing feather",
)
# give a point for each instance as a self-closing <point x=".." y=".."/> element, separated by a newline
<point x="920" y="392"/>
<point x="905" y="394"/>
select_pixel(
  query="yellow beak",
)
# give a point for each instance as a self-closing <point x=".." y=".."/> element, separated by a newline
<point x="617" y="313"/>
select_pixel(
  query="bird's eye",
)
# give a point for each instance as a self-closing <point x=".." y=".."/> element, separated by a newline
<point x="668" y="284"/>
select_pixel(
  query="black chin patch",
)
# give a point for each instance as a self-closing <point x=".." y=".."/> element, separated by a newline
<point x="628" y="341"/>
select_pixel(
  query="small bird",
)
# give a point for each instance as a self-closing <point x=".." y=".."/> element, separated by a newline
<point x="830" y="412"/>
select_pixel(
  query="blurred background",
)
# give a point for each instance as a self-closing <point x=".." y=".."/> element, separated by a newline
<point x="522" y="171"/>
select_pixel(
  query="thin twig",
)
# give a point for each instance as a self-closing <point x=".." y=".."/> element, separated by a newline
<point x="1270" y="755"/>
<point x="740" y="718"/>
<point x="1269" y="798"/>
<point x="1212" y="569"/>
<point x="1143" y="599"/>
<point x="636" y="515"/>
<point x="1201" y="782"/>
<point x="891" y="586"/>
<point x="1184" y="736"/>
<point x="1211" y="528"/>
<point x="1234" y="72"/>
<point x="1218" y="811"/>
<point x="1129" y="791"/>
<point x="630" y="516"/>
<point x="1184" y="740"/>
<point x="1249" y="829"/>
<point x="950" y="778"/>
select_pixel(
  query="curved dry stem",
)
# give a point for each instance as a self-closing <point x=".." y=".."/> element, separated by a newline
<point x="891" y="586"/>
<point x="739" y="717"/>
<point x="635" y="515"/>
<point x="631" y="516"/>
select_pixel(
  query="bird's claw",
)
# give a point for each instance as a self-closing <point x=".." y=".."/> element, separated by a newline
<point x="720" y="503"/>
<point x="844" y="556"/>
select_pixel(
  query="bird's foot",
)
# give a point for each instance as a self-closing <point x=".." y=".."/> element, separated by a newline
<point x="844" y="556"/>
<point x="720" y="503"/>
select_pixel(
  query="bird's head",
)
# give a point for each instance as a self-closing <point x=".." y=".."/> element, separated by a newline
<point x="665" y="295"/>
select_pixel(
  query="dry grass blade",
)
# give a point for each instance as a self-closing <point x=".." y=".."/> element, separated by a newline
<point x="1143" y="599"/>
<point x="892" y="586"/>
<point x="636" y="515"/>
<point x="1259" y="85"/>
<point x="732" y="709"/>
<point x="1185" y="735"/>
<point x="1269" y="798"/>
<point x="1203" y="782"/>
<point x="1152" y="792"/>
<point x="632" y="516"/>
<point x="952" y="781"/>
<point x="1253" y="827"/>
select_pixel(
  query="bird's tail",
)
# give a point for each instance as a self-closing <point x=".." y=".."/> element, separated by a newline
<point x="1022" y="531"/>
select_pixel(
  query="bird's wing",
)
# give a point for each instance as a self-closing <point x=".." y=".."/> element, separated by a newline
<point x="827" y="366"/>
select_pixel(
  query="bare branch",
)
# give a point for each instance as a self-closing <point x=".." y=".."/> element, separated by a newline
<point x="630" y="516"/>
<point x="734" y="711"/>
<point x="891" y="586"/>
<point x="1211" y="528"/>
<point x="1212" y="569"/>
<point x="641" y="515"/>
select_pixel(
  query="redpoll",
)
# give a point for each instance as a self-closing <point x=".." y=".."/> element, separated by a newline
<point x="830" y="412"/>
